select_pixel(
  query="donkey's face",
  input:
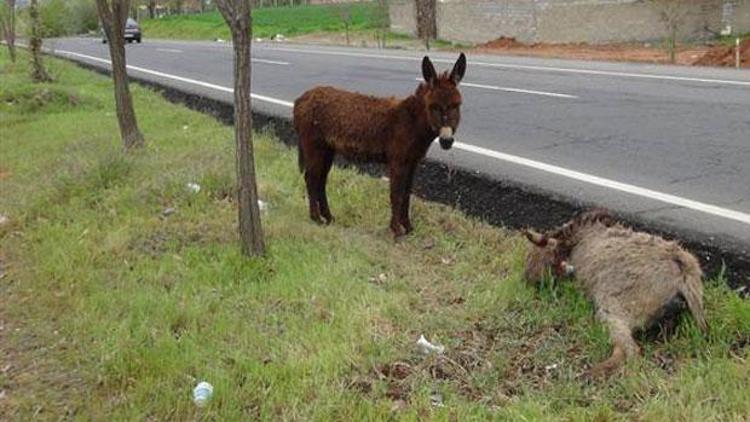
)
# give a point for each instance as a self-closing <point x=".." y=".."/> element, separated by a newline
<point x="545" y="257"/>
<point x="443" y="100"/>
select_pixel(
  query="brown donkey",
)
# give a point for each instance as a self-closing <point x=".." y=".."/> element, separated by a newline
<point x="331" y="121"/>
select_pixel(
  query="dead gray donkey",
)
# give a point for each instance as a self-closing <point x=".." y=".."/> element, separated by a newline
<point x="632" y="277"/>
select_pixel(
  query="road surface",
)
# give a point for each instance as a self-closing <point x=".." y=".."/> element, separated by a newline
<point x="669" y="145"/>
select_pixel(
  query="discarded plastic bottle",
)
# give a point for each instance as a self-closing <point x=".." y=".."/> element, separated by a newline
<point x="202" y="393"/>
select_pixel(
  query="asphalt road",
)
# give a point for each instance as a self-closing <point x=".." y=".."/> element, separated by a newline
<point x="668" y="145"/>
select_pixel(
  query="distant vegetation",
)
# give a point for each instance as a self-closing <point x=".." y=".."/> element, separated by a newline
<point x="267" y="22"/>
<point x="63" y="17"/>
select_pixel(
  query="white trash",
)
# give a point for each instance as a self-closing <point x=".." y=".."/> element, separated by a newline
<point x="425" y="347"/>
<point x="436" y="399"/>
<point x="262" y="205"/>
<point x="202" y="393"/>
<point x="570" y="270"/>
<point x="194" y="187"/>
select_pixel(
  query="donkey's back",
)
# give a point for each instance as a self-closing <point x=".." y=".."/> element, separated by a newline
<point x="353" y="124"/>
<point x="637" y="274"/>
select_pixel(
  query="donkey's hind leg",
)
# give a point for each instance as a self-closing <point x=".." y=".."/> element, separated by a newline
<point x="325" y="212"/>
<point x="624" y="347"/>
<point x="313" y="169"/>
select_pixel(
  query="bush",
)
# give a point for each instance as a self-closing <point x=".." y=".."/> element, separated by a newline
<point x="84" y="16"/>
<point x="68" y="17"/>
<point x="55" y="18"/>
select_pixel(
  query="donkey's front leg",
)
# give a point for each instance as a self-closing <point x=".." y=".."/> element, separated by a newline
<point x="399" y="174"/>
<point x="404" y="212"/>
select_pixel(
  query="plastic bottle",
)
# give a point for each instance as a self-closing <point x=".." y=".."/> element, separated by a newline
<point x="202" y="393"/>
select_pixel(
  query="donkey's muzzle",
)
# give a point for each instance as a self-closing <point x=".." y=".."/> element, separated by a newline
<point x="446" y="143"/>
<point x="446" y="137"/>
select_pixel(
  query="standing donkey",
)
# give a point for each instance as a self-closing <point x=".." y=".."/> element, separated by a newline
<point x="397" y="132"/>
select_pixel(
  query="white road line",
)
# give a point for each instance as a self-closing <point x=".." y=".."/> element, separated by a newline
<point x="608" y="183"/>
<point x="169" y="50"/>
<point x="524" y="67"/>
<point x="179" y="78"/>
<point x="270" y="62"/>
<point x="519" y="90"/>
<point x="537" y="165"/>
<point x="516" y="90"/>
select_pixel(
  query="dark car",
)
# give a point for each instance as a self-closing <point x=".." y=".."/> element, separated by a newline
<point x="132" y="32"/>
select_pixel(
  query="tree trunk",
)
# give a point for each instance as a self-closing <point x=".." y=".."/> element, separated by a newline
<point x="672" y="47"/>
<point x="9" y="28"/>
<point x="113" y="21"/>
<point x="152" y="9"/>
<point x="38" y="72"/>
<point x="426" y="20"/>
<point x="237" y="15"/>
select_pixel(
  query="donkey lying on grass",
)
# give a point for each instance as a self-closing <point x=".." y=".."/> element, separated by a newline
<point x="633" y="278"/>
<point x="331" y="121"/>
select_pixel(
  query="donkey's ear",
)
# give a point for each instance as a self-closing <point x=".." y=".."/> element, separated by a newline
<point x="428" y="70"/>
<point x="535" y="238"/>
<point x="459" y="69"/>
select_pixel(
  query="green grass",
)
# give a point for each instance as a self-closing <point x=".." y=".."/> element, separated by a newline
<point x="111" y="311"/>
<point x="267" y="22"/>
<point x="731" y="40"/>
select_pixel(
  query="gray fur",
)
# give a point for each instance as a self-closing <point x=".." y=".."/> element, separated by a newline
<point x="631" y="277"/>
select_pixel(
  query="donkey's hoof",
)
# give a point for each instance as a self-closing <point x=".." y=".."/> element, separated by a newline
<point x="397" y="231"/>
<point x="318" y="219"/>
<point x="600" y="372"/>
<point x="328" y="220"/>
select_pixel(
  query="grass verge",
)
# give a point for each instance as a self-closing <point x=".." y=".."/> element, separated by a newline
<point x="267" y="22"/>
<point x="110" y="309"/>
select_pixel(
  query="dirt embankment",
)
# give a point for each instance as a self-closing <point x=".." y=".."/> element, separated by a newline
<point x="628" y="52"/>
<point x="726" y="56"/>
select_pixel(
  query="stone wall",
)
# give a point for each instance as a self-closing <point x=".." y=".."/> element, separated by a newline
<point x="558" y="21"/>
<point x="480" y="21"/>
<point x="624" y="21"/>
<point x="403" y="16"/>
<point x="740" y="19"/>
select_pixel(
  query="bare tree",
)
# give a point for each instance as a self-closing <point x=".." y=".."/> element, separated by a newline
<point x="672" y="14"/>
<point x="382" y="22"/>
<point x="426" y="21"/>
<point x="113" y="15"/>
<point x="344" y="12"/>
<point x="38" y="72"/>
<point x="151" y="6"/>
<point x="237" y="15"/>
<point x="8" y="26"/>
<point x="177" y="5"/>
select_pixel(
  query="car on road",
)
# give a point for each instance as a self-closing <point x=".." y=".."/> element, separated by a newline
<point x="132" y="32"/>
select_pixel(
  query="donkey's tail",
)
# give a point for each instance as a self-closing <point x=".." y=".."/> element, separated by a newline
<point x="692" y="287"/>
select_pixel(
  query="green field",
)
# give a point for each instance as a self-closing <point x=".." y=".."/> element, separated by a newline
<point x="267" y="22"/>
<point x="110" y="310"/>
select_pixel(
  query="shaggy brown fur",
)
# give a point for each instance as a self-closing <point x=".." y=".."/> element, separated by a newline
<point x="632" y="277"/>
<point x="331" y="121"/>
